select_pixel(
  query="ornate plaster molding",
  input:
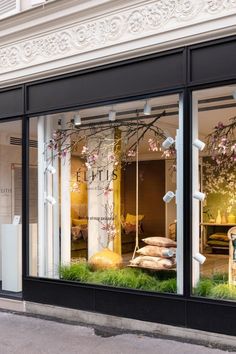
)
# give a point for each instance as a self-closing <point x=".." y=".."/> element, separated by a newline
<point x="146" y="19"/>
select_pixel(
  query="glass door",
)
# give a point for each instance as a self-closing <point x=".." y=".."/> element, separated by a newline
<point x="11" y="206"/>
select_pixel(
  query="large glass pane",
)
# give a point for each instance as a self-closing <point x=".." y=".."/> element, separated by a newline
<point x="214" y="196"/>
<point x="10" y="207"/>
<point x="101" y="177"/>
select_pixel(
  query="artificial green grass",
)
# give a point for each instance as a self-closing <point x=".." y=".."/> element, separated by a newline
<point x="224" y="291"/>
<point x="125" y="278"/>
<point x="216" y="287"/>
<point x="204" y="287"/>
<point x="76" y="272"/>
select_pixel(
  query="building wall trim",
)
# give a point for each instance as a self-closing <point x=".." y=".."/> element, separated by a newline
<point x="106" y="31"/>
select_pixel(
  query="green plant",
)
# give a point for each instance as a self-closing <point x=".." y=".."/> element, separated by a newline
<point x="147" y="282"/>
<point x="223" y="291"/>
<point x="216" y="287"/>
<point x="125" y="278"/>
<point x="204" y="287"/>
<point x="220" y="277"/>
<point x="168" y="286"/>
<point x="76" y="272"/>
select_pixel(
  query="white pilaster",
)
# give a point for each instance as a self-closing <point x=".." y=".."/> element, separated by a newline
<point x="195" y="187"/>
<point x="65" y="204"/>
<point x="41" y="197"/>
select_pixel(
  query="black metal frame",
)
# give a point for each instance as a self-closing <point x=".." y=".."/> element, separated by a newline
<point x="186" y="311"/>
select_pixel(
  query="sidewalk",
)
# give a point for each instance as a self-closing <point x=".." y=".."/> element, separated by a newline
<point x="28" y="335"/>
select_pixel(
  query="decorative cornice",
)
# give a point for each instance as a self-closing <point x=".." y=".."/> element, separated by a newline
<point x="146" y="19"/>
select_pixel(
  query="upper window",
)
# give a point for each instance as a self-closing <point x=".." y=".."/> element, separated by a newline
<point x="9" y="7"/>
<point x="109" y="195"/>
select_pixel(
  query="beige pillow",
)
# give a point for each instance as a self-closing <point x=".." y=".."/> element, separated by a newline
<point x="138" y="260"/>
<point x="159" y="241"/>
<point x="168" y="263"/>
<point x="156" y="251"/>
<point x="162" y="264"/>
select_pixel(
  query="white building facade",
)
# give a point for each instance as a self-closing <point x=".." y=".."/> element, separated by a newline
<point x="106" y="107"/>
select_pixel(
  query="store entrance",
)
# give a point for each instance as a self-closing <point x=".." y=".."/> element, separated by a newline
<point x="11" y="208"/>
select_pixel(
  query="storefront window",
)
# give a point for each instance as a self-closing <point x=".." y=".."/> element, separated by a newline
<point x="214" y="193"/>
<point x="102" y="174"/>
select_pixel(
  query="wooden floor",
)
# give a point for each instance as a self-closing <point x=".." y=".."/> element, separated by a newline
<point x="215" y="263"/>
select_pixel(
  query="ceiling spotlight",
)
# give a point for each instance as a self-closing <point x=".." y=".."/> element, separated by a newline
<point x="112" y="115"/>
<point x="77" y="119"/>
<point x="50" y="199"/>
<point x="199" y="144"/>
<point x="168" y="196"/>
<point x="199" y="258"/>
<point x="167" y="143"/>
<point x="147" y="109"/>
<point x="234" y="95"/>
<point x="51" y="169"/>
<point x="199" y="196"/>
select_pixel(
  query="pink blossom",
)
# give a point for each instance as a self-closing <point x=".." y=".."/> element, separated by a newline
<point x="84" y="150"/>
<point x="111" y="157"/>
<point x="220" y="126"/>
<point x="88" y="165"/>
<point x="107" y="190"/>
<point x="131" y="153"/>
<point x="152" y="145"/>
<point x="233" y="148"/>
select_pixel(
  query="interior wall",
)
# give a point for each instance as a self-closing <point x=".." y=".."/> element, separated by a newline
<point x="151" y="191"/>
<point x="9" y="155"/>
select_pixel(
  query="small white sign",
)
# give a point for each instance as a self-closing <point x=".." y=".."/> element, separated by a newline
<point x="16" y="220"/>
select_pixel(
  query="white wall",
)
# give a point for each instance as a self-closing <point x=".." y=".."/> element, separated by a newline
<point x="9" y="155"/>
<point x="25" y="4"/>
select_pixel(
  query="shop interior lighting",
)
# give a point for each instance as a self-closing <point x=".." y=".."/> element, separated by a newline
<point x="199" y="196"/>
<point x="50" y="199"/>
<point x="112" y="115"/>
<point x="199" y="144"/>
<point x="147" y="109"/>
<point x="77" y="119"/>
<point x="167" y="143"/>
<point x="168" y="196"/>
<point x="51" y="169"/>
<point x="199" y="258"/>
